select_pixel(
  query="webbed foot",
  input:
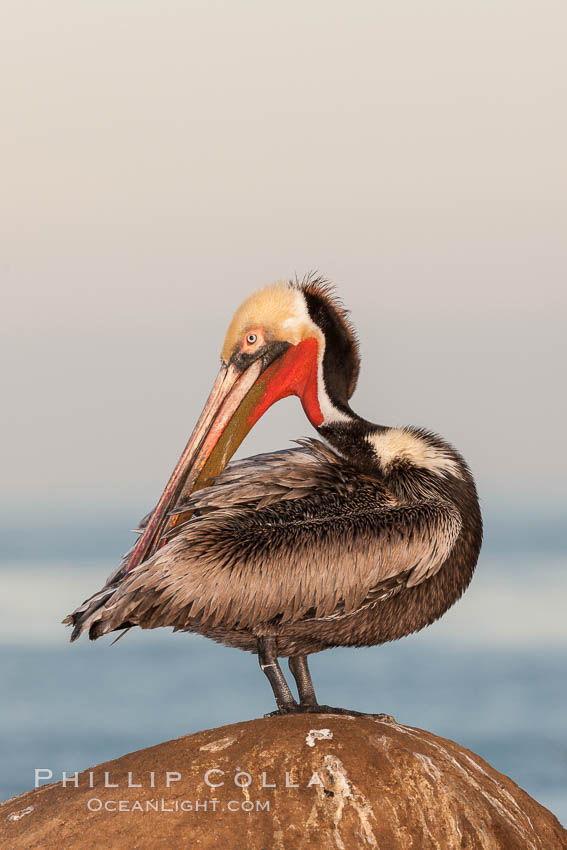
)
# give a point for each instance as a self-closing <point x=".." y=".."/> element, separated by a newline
<point x="295" y="708"/>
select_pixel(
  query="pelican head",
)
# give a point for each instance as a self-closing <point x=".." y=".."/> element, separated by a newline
<point x="288" y="338"/>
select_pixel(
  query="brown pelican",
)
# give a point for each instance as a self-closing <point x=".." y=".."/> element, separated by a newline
<point x="354" y="541"/>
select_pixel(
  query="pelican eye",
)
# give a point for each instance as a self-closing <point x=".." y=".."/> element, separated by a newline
<point x="251" y="339"/>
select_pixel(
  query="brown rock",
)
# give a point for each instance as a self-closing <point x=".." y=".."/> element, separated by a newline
<point x="316" y="781"/>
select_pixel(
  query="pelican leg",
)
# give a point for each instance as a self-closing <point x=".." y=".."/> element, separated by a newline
<point x="269" y="665"/>
<point x="302" y="676"/>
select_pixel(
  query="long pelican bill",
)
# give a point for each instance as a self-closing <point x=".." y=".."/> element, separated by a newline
<point x="236" y="402"/>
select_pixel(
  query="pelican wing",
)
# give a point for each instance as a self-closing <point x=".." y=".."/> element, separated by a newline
<point x="280" y="538"/>
<point x="266" y="479"/>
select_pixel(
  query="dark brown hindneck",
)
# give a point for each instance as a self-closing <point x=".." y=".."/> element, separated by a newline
<point x="348" y="436"/>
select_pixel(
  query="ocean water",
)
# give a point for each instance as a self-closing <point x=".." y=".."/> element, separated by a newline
<point x="490" y="675"/>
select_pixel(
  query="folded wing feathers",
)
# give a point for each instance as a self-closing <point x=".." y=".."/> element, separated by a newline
<point x="278" y="538"/>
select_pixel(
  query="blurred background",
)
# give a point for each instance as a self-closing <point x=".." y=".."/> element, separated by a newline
<point x="162" y="160"/>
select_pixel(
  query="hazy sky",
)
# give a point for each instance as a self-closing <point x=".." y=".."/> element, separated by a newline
<point x="161" y="160"/>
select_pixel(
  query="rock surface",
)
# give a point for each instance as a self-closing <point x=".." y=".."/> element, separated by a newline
<point x="290" y="783"/>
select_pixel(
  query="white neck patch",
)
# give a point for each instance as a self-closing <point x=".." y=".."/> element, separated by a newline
<point x="401" y="444"/>
<point x="330" y="412"/>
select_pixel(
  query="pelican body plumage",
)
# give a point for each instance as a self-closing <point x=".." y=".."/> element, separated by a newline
<point x="360" y="537"/>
